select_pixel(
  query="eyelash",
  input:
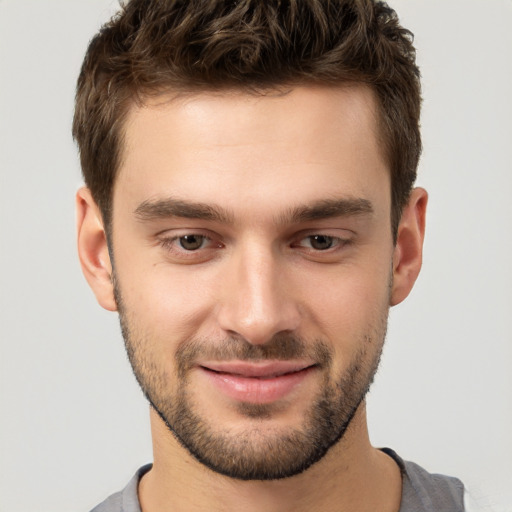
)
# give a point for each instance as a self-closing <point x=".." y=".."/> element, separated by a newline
<point x="337" y="241"/>
<point x="170" y="245"/>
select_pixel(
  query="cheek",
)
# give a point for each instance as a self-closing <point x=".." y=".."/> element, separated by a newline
<point x="160" y="317"/>
<point x="165" y="302"/>
<point x="349" y="309"/>
<point x="348" y="294"/>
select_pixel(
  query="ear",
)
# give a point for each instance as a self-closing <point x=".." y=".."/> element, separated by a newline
<point x="407" y="256"/>
<point x="93" y="249"/>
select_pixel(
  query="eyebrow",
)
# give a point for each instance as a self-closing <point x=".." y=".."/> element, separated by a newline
<point x="151" y="210"/>
<point x="169" y="207"/>
<point x="327" y="208"/>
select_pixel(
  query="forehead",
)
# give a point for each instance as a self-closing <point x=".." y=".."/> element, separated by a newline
<point x="305" y="144"/>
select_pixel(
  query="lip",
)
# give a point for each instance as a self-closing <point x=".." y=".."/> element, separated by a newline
<point x="260" y="383"/>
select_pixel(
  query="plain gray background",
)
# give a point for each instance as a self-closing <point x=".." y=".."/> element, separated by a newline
<point x="74" y="425"/>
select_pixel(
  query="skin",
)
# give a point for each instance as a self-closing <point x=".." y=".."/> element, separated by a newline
<point x="257" y="275"/>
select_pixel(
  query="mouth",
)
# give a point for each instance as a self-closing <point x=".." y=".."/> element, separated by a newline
<point x="260" y="383"/>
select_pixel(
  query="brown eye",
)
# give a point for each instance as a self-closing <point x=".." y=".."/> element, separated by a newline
<point x="321" y="242"/>
<point x="191" y="242"/>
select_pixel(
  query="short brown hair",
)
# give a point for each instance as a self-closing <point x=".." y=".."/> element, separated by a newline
<point x="156" y="46"/>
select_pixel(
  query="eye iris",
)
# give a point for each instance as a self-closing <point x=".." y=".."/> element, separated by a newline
<point x="191" y="242"/>
<point x="321" y="242"/>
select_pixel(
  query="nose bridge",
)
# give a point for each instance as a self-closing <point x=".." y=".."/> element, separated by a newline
<point x="257" y="303"/>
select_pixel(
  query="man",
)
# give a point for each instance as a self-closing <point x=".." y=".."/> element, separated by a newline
<point x="249" y="211"/>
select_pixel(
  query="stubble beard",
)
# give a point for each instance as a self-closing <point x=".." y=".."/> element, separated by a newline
<point x="259" y="452"/>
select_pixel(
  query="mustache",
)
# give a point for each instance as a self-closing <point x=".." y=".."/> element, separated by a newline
<point x="280" y="347"/>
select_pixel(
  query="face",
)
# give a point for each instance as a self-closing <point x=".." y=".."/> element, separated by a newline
<point x="253" y="266"/>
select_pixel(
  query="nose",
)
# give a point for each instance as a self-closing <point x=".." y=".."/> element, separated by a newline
<point x="257" y="301"/>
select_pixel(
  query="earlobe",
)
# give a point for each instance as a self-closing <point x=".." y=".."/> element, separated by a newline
<point x="93" y="249"/>
<point x="408" y="253"/>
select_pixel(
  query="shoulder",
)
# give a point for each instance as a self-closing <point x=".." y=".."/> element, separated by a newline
<point x="113" y="503"/>
<point x="434" y="491"/>
<point x="126" y="500"/>
<point x="428" y="492"/>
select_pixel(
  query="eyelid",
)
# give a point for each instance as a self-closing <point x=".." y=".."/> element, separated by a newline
<point x="344" y="239"/>
<point x="336" y="239"/>
<point x="178" y="232"/>
<point x="168" y="240"/>
<point x="344" y="235"/>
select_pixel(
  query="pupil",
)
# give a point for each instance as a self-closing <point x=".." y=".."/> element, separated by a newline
<point x="191" y="242"/>
<point x="321" y="242"/>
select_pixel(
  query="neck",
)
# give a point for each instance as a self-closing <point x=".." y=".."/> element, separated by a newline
<point x="352" y="476"/>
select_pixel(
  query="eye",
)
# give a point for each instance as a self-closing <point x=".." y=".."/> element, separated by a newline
<point x="321" y="242"/>
<point x="185" y="247"/>
<point x="192" y="242"/>
<point x="324" y="247"/>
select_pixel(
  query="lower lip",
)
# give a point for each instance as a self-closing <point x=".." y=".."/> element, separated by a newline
<point x="256" y="390"/>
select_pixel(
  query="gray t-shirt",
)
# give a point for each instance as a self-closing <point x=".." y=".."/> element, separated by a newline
<point x="421" y="491"/>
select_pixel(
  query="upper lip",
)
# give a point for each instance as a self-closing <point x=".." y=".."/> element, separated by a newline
<point x="264" y="369"/>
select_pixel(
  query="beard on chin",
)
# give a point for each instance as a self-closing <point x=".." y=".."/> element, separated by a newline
<point x="261" y="451"/>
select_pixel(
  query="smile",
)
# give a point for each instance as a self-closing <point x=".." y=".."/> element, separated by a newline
<point x="257" y="383"/>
